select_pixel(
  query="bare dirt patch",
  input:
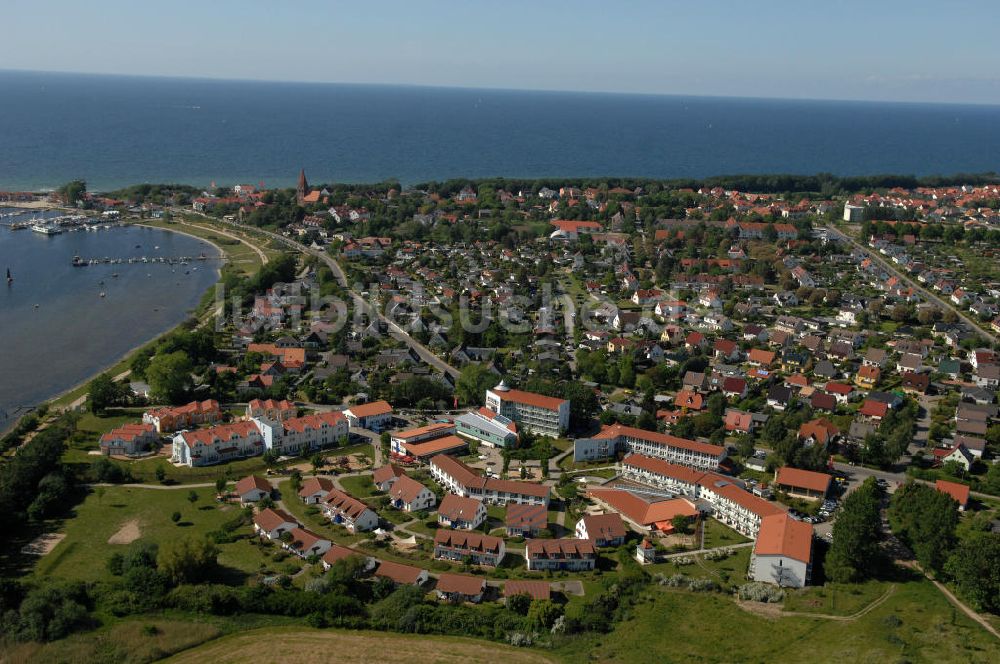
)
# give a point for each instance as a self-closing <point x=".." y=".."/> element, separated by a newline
<point x="127" y="534"/>
<point x="760" y="608"/>
<point x="43" y="544"/>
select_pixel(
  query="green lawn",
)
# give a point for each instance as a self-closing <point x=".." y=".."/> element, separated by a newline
<point x="394" y="516"/>
<point x="359" y="486"/>
<point x="682" y="626"/>
<point x="83" y="554"/>
<point x="718" y="534"/>
<point x="422" y="528"/>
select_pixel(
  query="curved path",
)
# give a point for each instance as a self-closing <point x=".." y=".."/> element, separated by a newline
<point x="263" y="257"/>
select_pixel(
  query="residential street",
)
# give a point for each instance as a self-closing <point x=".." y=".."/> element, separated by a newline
<point x="931" y="297"/>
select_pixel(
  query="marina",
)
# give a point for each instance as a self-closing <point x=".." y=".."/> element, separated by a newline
<point x="132" y="260"/>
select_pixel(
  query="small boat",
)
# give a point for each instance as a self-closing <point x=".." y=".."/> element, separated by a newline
<point x="114" y="274"/>
<point x="36" y="306"/>
<point x="102" y="294"/>
<point x="138" y="246"/>
<point x="10" y="279"/>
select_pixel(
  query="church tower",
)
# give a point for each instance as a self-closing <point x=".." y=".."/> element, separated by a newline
<point x="302" y="188"/>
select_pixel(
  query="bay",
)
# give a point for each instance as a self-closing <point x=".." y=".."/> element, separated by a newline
<point x="74" y="332"/>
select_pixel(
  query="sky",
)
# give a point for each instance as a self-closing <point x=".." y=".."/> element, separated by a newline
<point x="886" y="50"/>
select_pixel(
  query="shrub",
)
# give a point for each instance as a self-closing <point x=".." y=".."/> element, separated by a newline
<point x="702" y="585"/>
<point x="719" y="554"/>
<point x="760" y="592"/>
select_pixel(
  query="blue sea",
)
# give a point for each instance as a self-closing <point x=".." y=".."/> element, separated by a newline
<point x="115" y="130"/>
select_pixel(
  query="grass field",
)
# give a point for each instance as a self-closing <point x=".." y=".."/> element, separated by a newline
<point x="916" y="624"/>
<point x="359" y="486"/>
<point x="83" y="554"/>
<point x="296" y="644"/>
<point x="718" y="534"/>
<point x="836" y="599"/>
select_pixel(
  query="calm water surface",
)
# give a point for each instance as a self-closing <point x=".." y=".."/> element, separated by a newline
<point x="74" y="332"/>
<point x="115" y="131"/>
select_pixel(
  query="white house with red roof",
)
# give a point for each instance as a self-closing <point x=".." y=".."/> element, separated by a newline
<point x="252" y="488"/>
<point x="571" y="229"/>
<point x="782" y="552"/>
<point x="409" y="495"/>
<point x="315" y="489"/>
<point x="375" y="416"/>
<point x="548" y="416"/>
<point x="272" y="523"/>
<point x="574" y="555"/>
<point x="960" y="492"/>
<point x="461" y="480"/>
<point x="271" y="409"/>
<point x="224" y="442"/>
<point x="615" y="438"/>
<point x="346" y="510"/>
<point x="128" y="440"/>
<point x="299" y="435"/>
<point x="305" y="543"/>
<point x="461" y="513"/>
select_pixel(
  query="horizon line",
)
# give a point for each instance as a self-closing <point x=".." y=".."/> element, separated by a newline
<point x="498" y="88"/>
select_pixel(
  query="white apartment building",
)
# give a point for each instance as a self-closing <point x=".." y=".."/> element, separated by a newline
<point x="548" y="416"/>
<point x="617" y="437"/>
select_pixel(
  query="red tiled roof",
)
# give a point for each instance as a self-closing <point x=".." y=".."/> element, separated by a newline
<point x="604" y="526"/>
<point x="369" y="409"/>
<point x="535" y="589"/>
<point x="460" y="584"/>
<point x="315" y="485"/>
<point x="803" y="479"/>
<point x="531" y="399"/>
<point x="873" y="408"/>
<point x="454" y="507"/>
<point x="639" y="511"/>
<point x="468" y="540"/>
<point x="271" y="518"/>
<point x="398" y="572"/>
<point x="406" y="489"/>
<point x="420" y="431"/>
<point x="526" y="516"/>
<point x="436" y="446"/>
<point x="338" y="552"/>
<point x="251" y="482"/>
<point x="559" y="547"/>
<point x="781" y="535"/>
<point x="386" y="472"/>
<point x="960" y="492"/>
<point x="314" y="422"/>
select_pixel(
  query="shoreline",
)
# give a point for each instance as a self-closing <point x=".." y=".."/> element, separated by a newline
<point x="51" y="401"/>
